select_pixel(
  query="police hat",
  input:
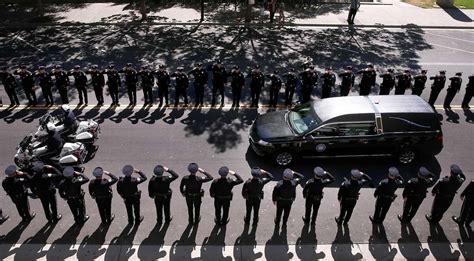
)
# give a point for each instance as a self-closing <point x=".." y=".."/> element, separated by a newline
<point x="37" y="167"/>
<point x="455" y="170"/>
<point x="223" y="171"/>
<point x="311" y="67"/>
<point x="23" y="67"/>
<point x="393" y="172"/>
<point x="10" y="170"/>
<point x="98" y="171"/>
<point x="424" y="71"/>
<point x="95" y="66"/>
<point x="407" y="71"/>
<point x="159" y="170"/>
<point x="423" y="172"/>
<point x="57" y="66"/>
<point x="219" y="61"/>
<point x="329" y="68"/>
<point x="236" y="67"/>
<point x="459" y="74"/>
<point x="199" y="64"/>
<point x="292" y="69"/>
<point x="41" y="67"/>
<point x="349" y="67"/>
<point x="193" y="167"/>
<point x="256" y="172"/>
<point x="276" y="72"/>
<point x="161" y="66"/>
<point x="180" y="68"/>
<point x="144" y="66"/>
<point x="370" y="65"/>
<point x="77" y="67"/>
<point x="319" y="172"/>
<point x="127" y="170"/>
<point x="128" y="64"/>
<point x="68" y="172"/>
<point x="356" y="174"/>
<point x="257" y="66"/>
<point x="442" y="72"/>
<point x="111" y="65"/>
<point x="288" y="174"/>
<point x="390" y="70"/>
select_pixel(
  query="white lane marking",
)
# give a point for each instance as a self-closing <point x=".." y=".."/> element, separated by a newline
<point x="454" y="38"/>
<point x="447" y="64"/>
<point x="455" y="49"/>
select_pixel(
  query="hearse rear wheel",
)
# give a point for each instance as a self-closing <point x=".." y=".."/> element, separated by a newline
<point x="406" y="156"/>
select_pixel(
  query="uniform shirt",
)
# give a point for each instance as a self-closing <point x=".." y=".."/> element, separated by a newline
<point x="61" y="78"/>
<point x="80" y="78"/>
<point x="100" y="188"/>
<point x="182" y="80"/>
<point x="97" y="78"/>
<point x="113" y="78"/>
<point x="470" y="84"/>
<point x="45" y="182"/>
<point x="131" y="77"/>
<point x="26" y="77"/>
<point x="147" y="77"/>
<point x="53" y="142"/>
<point x="455" y="85"/>
<point x="387" y="187"/>
<point x="128" y="186"/>
<point x="8" y="80"/>
<point x="219" y="74"/>
<point x="448" y="186"/>
<point x="309" y="78"/>
<point x="404" y="81"/>
<point x="417" y="187"/>
<point x="191" y="184"/>
<point x="71" y="187"/>
<point x="368" y="77"/>
<point x="163" y="78"/>
<point x="253" y="188"/>
<point x="69" y="119"/>
<point x="438" y="82"/>
<point x="16" y="186"/>
<point x="291" y="79"/>
<point x="161" y="185"/>
<point x="314" y="187"/>
<point x="348" y="79"/>
<point x="419" y="82"/>
<point x="355" y="4"/>
<point x="200" y="76"/>
<point x="44" y="79"/>
<point x="285" y="190"/>
<point x="388" y="80"/>
<point x="238" y="79"/>
<point x="275" y="80"/>
<point x="468" y="192"/>
<point x="257" y="79"/>
<point x="329" y="79"/>
<point x="350" y="188"/>
<point x="222" y="187"/>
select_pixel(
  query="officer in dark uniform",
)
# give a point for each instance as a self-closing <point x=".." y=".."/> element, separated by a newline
<point x="453" y="88"/>
<point x="388" y="82"/>
<point x="9" y="83"/>
<point x="43" y="185"/>
<point x="219" y="79"/>
<point x="200" y="81"/>
<point x="367" y="82"/>
<point x="3" y="218"/>
<point x="284" y="194"/>
<point x="237" y="83"/>
<point x="275" y="87"/>
<point x="290" y="86"/>
<point x="70" y="190"/>
<point x="127" y="187"/>
<point x="190" y="188"/>
<point x="467" y="210"/>
<point x="309" y="80"/>
<point x="181" y="88"/>
<point x="163" y="81"/>
<point x="159" y="189"/>
<point x="100" y="190"/>
<point x="385" y="195"/>
<point x="348" y="79"/>
<point x="114" y="83"/>
<point x="131" y="80"/>
<point x="403" y="82"/>
<point x="329" y="81"/>
<point x="221" y="191"/>
<point x="313" y="193"/>
<point x="147" y="83"/>
<point x="28" y="84"/>
<point x="415" y="192"/>
<point x="80" y="81"/>
<point x="444" y="192"/>
<point x="349" y="194"/>
<point x="98" y="82"/>
<point x="16" y="186"/>
<point x="62" y="83"/>
<point x="469" y="93"/>
<point x="419" y="83"/>
<point x="46" y="83"/>
<point x="252" y="191"/>
<point x="257" y="80"/>
<point x="439" y="81"/>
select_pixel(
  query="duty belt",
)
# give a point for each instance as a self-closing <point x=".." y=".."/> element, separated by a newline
<point x="193" y="194"/>
<point x="223" y="197"/>
<point x="315" y="197"/>
<point x="286" y="199"/>
<point x="105" y="196"/>
<point x="386" y="196"/>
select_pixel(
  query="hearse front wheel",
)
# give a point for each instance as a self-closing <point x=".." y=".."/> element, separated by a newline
<point x="406" y="156"/>
<point x="284" y="158"/>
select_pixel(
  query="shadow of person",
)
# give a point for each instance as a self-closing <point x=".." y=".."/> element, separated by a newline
<point x="90" y="114"/>
<point x="125" y="241"/>
<point x="451" y="116"/>
<point x="121" y="115"/>
<point x="140" y="114"/>
<point x="10" y="239"/>
<point x="35" y="115"/>
<point x="244" y="245"/>
<point x="213" y="245"/>
<point x="175" y="113"/>
<point x="379" y="246"/>
<point x="466" y="241"/>
<point x="61" y="248"/>
<point x="410" y="245"/>
<point x="276" y="247"/>
<point x="439" y="244"/>
<point x="158" y="114"/>
<point x="106" y="114"/>
<point x="341" y="248"/>
<point x="307" y="243"/>
<point x="457" y="14"/>
<point x="12" y="117"/>
<point x="32" y="248"/>
<point x="469" y="115"/>
<point x="150" y="247"/>
<point x="182" y="249"/>
<point x="91" y="246"/>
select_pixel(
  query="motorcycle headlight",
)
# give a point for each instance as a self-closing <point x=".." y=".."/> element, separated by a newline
<point x="264" y="143"/>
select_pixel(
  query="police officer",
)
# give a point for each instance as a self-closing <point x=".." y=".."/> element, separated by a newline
<point x="98" y="82"/>
<point x="43" y="185"/>
<point x="290" y="86"/>
<point x="252" y="191"/>
<point x="257" y="80"/>
<point x="159" y="189"/>
<point x="100" y="190"/>
<point x="46" y="83"/>
<point x="467" y="210"/>
<point x="16" y="186"/>
<point x="419" y="83"/>
<point x="348" y="79"/>
<point x="313" y="193"/>
<point x="131" y="80"/>
<point x="190" y="188"/>
<point x="453" y="88"/>
<point x="284" y="194"/>
<point x="181" y="88"/>
<point x="114" y="83"/>
<point x="70" y="190"/>
<point x="28" y="84"/>
<point x="237" y="83"/>
<point x="388" y="82"/>
<point x="275" y="87"/>
<point x="309" y="80"/>
<point x="163" y="81"/>
<point x="403" y="83"/>
<point x="439" y="81"/>
<point x="329" y="81"/>
<point x="469" y="93"/>
<point x="3" y="218"/>
<point x="219" y="79"/>
<point x="349" y="194"/>
<point x="127" y="187"/>
<point x="9" y="83"/>
<point x="147" y="83"/>
<point x="367" y="82"/>
<point x="200" y="81"/>
<point x="414" y="193"/>
<point x="62" y="83"/>
<point x="80" y="81"/>
<point x="385" y="194"/>
<point x="221" y="191"/>
<point x="444" y="192"/>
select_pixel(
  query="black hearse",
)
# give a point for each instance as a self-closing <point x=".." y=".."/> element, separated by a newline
<point x="404" y="126"/>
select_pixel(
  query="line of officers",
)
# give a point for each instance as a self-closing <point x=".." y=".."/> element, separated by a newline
<point x="145" y="77"/>
<point x="44" y="180"/>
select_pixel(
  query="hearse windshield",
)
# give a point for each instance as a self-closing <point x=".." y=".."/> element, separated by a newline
<point x="301" y="119"/>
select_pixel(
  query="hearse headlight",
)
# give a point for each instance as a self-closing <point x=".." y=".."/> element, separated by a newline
<point x="264" y="143"/>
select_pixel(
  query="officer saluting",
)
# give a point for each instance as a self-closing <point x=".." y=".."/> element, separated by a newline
<point x="388" y="82"/>
<point x="252" y="191"/>
<point x="190" y="188"/>
<point x="415" y="192"/>
<point x="200" y="82"/>
<point x="237" y="83"/>
<point x="163" y="81"/>
<point x="313" y="193"/>
<point x="444" y="192"/>
<point x="70" y="190"/>
<point x="348" y="79"/>
<point x="16" y="186"/>
<point x="419" y="83"/>
<point x="385" y="194"/>
<point x="181" y="88"/>
<point x="275" y="87"/>
<point x="439" y="81"/>
<point x="221" y="191"/>
<point x="80" y="81"/>
<point x="98" y="82"/>
<point x="100" y="190"/>
<point x="113" y="82"/>
<point x="404" y="82"/>
<point x="127" y="187"/>
<point x="453" y="88"/>
<point x="349" y="194"/>
<point x="256" y="85"/>
<point x="219" y="79"/>
<point x="467" y="196"/>
<point x="469" y="93"/>
<point x="147" y="83"/>
<point x="290" y="86"/>
<point x="329" y="81"/>
<point x="367" y="82"/>
<point x="284" y="194"/>
<point x="131" y="80"/>
<point x="9" y="83"/>
<point x="159" y="189"/>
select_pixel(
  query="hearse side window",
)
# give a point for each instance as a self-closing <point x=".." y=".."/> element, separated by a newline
<point x="346" y="129"/>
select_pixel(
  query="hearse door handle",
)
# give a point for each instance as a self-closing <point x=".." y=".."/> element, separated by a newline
<point x="365" y="141"/>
